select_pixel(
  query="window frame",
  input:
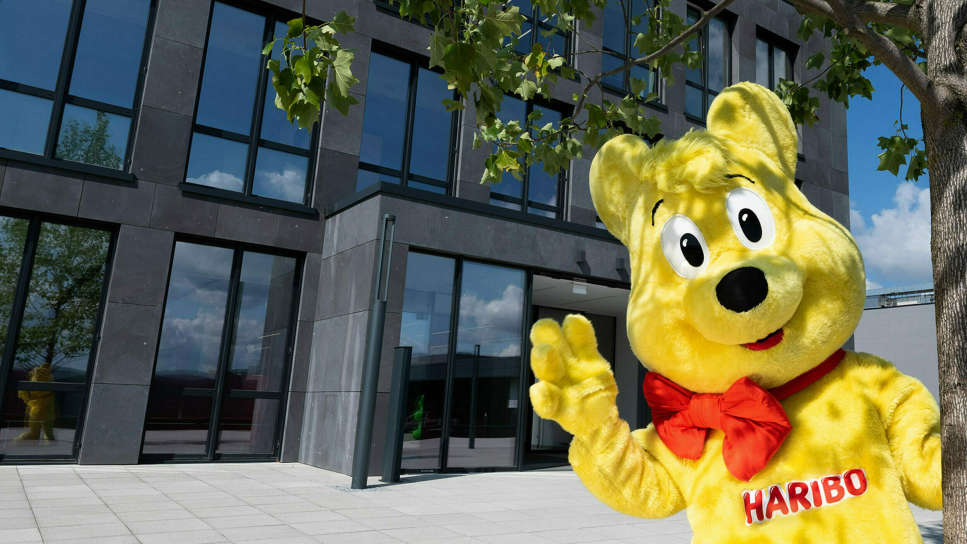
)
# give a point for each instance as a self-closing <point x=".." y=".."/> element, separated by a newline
<point x="415" y="62"/>
<point x="524" y="201"/>
<point x="626" y="56"/>
<point x="60" y="98"/>
<point x="8" y="350"/>
<point x="774" y="41"/>
<point x="227" y="335"/>
<point x="254" y="139"/>
<point x="536" y="23"/>
<point x="703" y="36"/>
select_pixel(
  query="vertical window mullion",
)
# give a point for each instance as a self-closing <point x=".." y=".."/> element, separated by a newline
<point x="63" y="77"/>
<point x="408" y="124"/>
<point x="451" y="362"/>
<point x="19" y="303"/>
<point x="456" y="134"/>
<point x="526" y="197"/>
<point x="256" y="126"/>
<point x="142" y="72"/>
<point x="225" y="349"/>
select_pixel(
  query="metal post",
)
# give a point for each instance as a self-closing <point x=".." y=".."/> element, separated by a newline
<point x="472" y="433"/>
<point x="396" y="420"/>
<point x="374" y="348"/>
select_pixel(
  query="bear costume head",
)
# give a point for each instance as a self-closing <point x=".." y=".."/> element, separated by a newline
<point x="734" y="273"/>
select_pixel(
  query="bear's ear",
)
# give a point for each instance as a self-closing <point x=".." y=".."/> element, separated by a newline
<point x="616" y="181"/>
<point x="753" y="116"/>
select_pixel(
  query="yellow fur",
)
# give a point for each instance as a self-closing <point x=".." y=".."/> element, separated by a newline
<point x="863" y="415"/>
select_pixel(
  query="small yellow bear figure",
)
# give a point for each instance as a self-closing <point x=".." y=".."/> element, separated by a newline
<point x="742" y="293"/>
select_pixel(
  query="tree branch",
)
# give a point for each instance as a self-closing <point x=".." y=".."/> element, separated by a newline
<point x="886" y="13"/>
<point x="630" y="63"/>
<point x="879" y="46"/>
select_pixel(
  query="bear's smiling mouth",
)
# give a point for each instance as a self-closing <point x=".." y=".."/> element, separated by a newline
<point x="769" y="341"/>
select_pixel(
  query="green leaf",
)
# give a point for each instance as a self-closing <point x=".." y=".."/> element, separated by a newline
<point x="302" y="67"/>
<point x="527" y="89"/>
<point x="815" y="62"/>
<point x="295" y="28"/>
<point x="341" y="67"/>
<point x="343" y="23"/>
<point x="267" y="50"/>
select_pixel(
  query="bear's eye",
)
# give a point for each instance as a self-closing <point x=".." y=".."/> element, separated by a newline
<point x="750" y="217"/>
<point x="684" y="246"/>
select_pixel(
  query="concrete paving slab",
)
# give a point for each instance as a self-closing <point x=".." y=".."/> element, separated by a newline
<point x="276" y="503"/>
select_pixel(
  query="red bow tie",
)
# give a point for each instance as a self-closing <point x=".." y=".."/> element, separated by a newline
<point x="752" y="419"/>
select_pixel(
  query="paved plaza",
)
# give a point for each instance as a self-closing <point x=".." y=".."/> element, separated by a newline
<point x="294" y="504"/>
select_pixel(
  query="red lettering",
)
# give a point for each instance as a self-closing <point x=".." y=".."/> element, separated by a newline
<point x="797" y="492"/>
<point x="833" y="489"/>
<point x="855" y="481"/>
<point x="817" y="494"/>
<point x="776" y="502"/>
<point x="754" y="505"/>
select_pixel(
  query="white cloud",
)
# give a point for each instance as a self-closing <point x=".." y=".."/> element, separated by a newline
<point x="493" y="323"/>
<point x="896" y="241"/>
<point x="219" y="179"/>
<point x="289" y="184"/>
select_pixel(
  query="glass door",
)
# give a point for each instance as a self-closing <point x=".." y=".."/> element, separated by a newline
<point x="463" y="320"/>
<point x="223" y="355"/>
<point x="52" y="281"/>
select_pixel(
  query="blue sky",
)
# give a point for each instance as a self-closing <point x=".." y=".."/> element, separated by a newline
<point x="888" y="216"/>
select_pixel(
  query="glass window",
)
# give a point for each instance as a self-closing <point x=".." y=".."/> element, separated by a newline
<point x="539" y="28"/>
<point x="74" y="104"/>
<point x="483" y="371"/>
<point x="773" y="62"/>
<point x="407" y="132"/>
<point x="623" y="21"/>
<point x="53" y="316"/>
<point x="242" y="142"/>
<point x="714" y="43"/>
<point x="486" y="370"/>
<point x="225" y="337"/>
<point x="537" y="189"/>
<point x="427" y="301"/>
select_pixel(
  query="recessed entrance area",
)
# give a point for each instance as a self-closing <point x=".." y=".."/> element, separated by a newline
<point x="545" y="443"/>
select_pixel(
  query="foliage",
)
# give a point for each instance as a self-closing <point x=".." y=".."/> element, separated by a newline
<point x="474" y="44"/>
<point x="313" y="68"/>
<point x="64" y="292"/>
<point x="89" y="143"/>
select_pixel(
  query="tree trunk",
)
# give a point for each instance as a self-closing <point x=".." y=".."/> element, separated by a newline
<point x="945" y="136"/>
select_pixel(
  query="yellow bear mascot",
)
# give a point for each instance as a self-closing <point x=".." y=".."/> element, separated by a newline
<point x="742" y="293"/>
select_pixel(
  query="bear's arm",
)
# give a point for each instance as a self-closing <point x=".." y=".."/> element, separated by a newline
<point x="911" y="420"/>
<point x="623" y="474"/>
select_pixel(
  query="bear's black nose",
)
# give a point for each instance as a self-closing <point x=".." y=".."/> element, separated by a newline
<point x="742" y="289"/>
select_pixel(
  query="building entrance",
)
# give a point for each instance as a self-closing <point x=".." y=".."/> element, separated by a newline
<point x="222" y="360"/>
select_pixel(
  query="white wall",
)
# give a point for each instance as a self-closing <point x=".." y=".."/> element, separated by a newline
<point x="904" y="335"/>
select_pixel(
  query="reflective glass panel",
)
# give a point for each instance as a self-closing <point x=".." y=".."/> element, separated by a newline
<point x="553" y="43"/>
<point x="718" y="54"/>
<point x="108" y="57"/>
<point x="13" y="236"/>
<point x="694" y="74"/>
<point x="542" y="186"/>
<point x="430" y="152"/>
<point x="232" y="64"/>
<point x="275" y="126"/>
<point x="427" y="299"/>
<point x="25" y="120"/>
<point x="93" y="137"/>
<point x="55" y="339"/>
<point x="280" y="175"/>
<point x="483" y="422"/>
<point x="248" y="426"/>
<point x="762" y="63"/>
<point x="258" y="358"/>
<point x="648" y="76"/>
<point x="608" y="63"/>
<point x="32" y="35"/>
<point x="526" y="38"/>
<point x="217" y="162"/>
<point x="639" y="10"/>
<point x="693" y="102"/>
<point x="780" y="66"/>
<point x="180" y="402"/>
<point x="365" y="178"/>
<point x="63" y="299"/>
<point x="384" y="119"/>
<point x="615" y="32"/>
